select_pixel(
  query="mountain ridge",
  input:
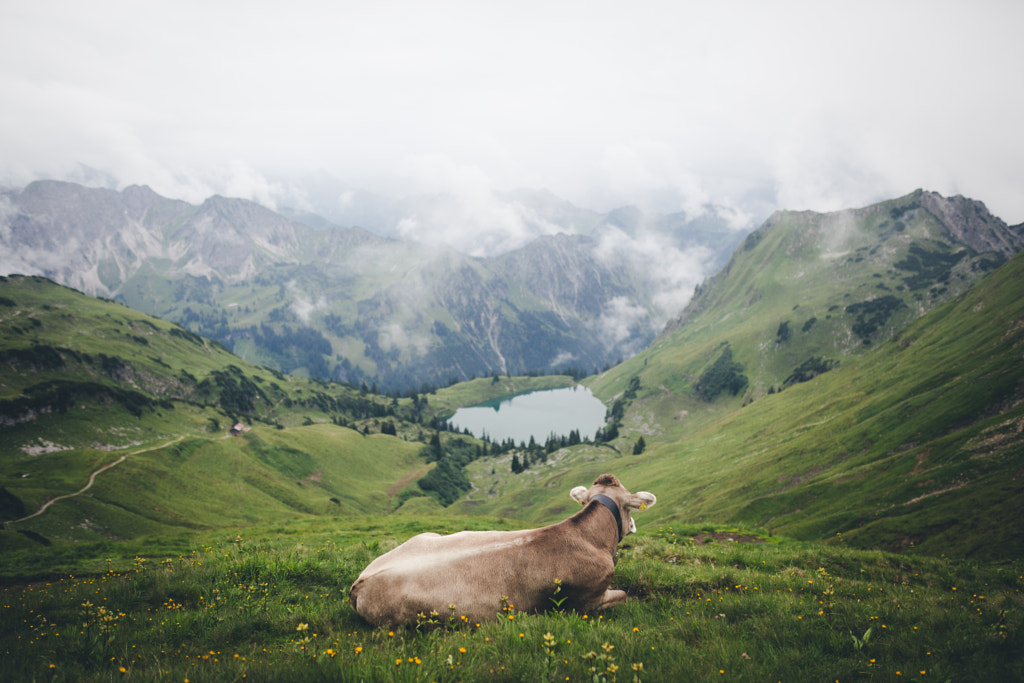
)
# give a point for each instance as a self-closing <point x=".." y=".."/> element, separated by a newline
<point x="201" y="265"/>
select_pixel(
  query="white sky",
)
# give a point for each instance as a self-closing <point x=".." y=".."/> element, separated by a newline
<point x="663" y="104"/>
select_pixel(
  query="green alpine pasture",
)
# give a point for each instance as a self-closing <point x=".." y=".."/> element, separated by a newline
<point x="269" y="603"/>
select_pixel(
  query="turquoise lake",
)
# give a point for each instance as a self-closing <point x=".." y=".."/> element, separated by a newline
<point x="537" y="413"/>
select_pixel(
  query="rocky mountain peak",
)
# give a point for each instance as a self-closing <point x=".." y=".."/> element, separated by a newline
<point x="972" y="224"/>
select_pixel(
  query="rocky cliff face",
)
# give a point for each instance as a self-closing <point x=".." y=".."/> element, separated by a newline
<point x="90" y="239"/>
<point x="971" y="223"/>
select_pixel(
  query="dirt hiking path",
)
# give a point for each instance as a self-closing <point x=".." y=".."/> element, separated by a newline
<point x="92" y="479"/>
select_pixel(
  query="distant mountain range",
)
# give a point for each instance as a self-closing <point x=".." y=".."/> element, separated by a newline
<point x="318" y="300"/>
<point x="344" y="303"/>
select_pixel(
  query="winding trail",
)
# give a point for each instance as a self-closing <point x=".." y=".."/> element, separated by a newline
<point x="92" y="480"/>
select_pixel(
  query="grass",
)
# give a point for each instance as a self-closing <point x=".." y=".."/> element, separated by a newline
<point x="270" y="603"/>
<point x="206" y="483"/>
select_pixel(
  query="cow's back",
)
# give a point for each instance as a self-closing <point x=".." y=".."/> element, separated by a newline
<point x="472" y="570"/>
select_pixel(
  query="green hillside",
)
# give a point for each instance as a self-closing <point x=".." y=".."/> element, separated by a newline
<point x="72" y="367"/>
<point x="806" y="291"/>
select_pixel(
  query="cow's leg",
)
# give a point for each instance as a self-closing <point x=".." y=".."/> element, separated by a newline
<point x="611" y="598"/>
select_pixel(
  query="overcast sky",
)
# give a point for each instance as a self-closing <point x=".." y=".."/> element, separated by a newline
<point x="668" y="105"/>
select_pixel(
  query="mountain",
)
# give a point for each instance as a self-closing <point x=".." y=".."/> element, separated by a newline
<point x="806" y="291"/>
<point x="339" y="303"/>
<point x="855" y="373"/>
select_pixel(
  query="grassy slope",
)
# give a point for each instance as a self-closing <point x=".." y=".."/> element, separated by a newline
<point x="803" y="269"/>
<point x="268" y="474"/>
<point x="142" y="353"/>
<point x="270" y="603"/>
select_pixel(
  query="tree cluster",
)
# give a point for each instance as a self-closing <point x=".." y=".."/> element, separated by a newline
<point x="725" y="374"/>
<point x="448" y="480"/>
<point x="873" y="314"/>
<point x="617" y="412"/>
<point x="809" y="369"/>
<point x="928" y="267"/>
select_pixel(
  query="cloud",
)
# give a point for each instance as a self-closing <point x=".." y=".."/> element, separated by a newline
<point x="393" y="335"/>
<point x="460" y="208"/>
<point x="673" y="273"/>
<point x="668" y="106"/>
<point x="302" y="305"/>
<point x="651" y="174"/>
<point x="839" y="233"/>
<point x="735" y="217"/>
<point x="562" y="359"/>
<point x="304" y="308"/>
<point x="620" y="319"/>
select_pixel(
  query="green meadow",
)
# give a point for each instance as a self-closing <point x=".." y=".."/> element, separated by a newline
<point x="269" y="602"/>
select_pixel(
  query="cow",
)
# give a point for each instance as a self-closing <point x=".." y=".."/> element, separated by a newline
<point x="477" y="574"/>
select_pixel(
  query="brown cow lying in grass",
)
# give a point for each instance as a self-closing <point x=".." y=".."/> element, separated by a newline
<point x="479" y="571"/>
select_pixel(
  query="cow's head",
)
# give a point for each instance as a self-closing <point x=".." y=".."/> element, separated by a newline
<point x="609" y="485"/>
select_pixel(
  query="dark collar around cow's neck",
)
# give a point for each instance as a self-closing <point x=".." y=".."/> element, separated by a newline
<point x="610" y="504"/>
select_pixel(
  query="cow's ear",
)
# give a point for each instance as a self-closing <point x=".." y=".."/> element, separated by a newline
<point x="579" y="494"/>
<point x="643" y="500"/>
